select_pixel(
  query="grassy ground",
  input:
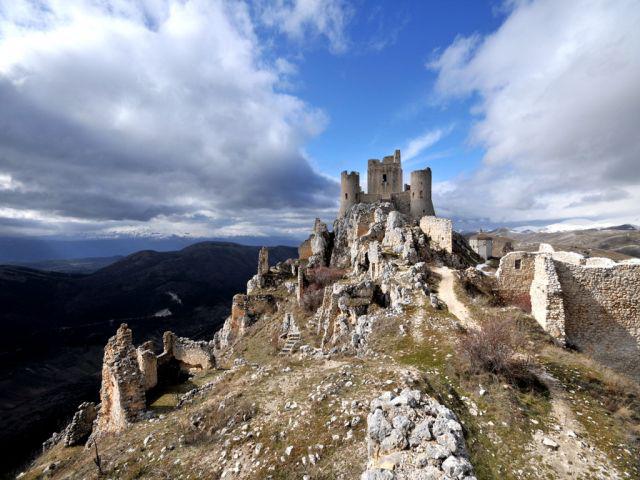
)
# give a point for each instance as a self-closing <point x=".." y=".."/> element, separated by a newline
<point x="247" y="410"/>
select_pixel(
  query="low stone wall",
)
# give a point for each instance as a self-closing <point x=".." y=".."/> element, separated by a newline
<point x="191" y="353"/>
<point x="515" y="275"/>
<point x="440" y="232"/>
<point x="602" y="310"/>
<point x="547" y="304"/>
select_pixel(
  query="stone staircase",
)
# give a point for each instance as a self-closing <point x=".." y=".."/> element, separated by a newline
<point x="293" y="338"/>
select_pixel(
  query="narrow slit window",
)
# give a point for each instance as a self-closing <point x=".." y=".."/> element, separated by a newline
<point x="517" y="265"/>
<point x="346" y="195"/>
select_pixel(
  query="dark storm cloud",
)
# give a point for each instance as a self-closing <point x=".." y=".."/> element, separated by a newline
<point x="104" y="118"/>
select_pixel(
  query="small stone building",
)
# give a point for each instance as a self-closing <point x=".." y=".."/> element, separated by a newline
<point x="482" y="244"/>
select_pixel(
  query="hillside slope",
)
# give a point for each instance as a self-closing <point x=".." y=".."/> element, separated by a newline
<point x="55" y="325"/>
<point x="617" y="243"/>
<point x="326" y="390"/>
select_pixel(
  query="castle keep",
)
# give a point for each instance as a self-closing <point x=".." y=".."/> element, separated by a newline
<point x="384" y="183"/>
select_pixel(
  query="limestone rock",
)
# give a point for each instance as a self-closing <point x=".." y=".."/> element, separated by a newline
<point x="78" y="430"/>
<point x="81" y="424"/>
<point x="402" y="443"/>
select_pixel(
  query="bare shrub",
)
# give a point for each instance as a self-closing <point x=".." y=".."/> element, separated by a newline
<point x="319" y="278"/>
<point x="494" y="349"/>
<point x="312" y="299"/>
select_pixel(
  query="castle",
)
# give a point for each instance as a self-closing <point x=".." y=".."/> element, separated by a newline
<point x="384" y="183"/>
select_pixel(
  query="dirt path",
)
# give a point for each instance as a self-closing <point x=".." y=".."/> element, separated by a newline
<point x="573" y="457"/>
<point x="447" y="294"/>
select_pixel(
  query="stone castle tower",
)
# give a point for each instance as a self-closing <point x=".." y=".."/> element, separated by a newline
<point x="384" y="183"/>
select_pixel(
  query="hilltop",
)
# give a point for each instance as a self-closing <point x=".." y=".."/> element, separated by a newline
<point x="380" y="353"/>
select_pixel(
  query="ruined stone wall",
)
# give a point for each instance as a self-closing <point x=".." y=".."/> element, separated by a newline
<point x="263" y="261"/>
<point x="245" y="309"/>
<point x="602" y="310"/>
<point x="148" y="364"/>
<point x="483" y="247"/>
<point x="515" y="275"/>
<point x="439" y="231"/>
<point x="547" y="304"/>
<point x="190" y="353"/>
<point x="402" y="202"/>
<point x="122" y="393"/>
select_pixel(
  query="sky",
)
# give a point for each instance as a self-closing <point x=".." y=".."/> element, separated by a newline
<point x="210" y="118"/>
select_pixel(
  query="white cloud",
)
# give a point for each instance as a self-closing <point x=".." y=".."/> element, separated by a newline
<point x="302" y="18"/>
<point x="137" y="114"/>
<point x="557" y="103"/>
<point x="417" y="145"/>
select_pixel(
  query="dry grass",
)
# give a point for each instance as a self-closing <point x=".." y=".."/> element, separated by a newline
<point x="207" y="425"/>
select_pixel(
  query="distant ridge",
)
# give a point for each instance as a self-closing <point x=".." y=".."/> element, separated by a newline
<point x="26" y="250"/>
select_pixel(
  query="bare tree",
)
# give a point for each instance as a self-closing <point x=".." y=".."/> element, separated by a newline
<point x="97" y="460"/>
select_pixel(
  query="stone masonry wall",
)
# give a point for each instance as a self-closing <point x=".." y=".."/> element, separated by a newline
<point x="439" y="230"/>
<point x="122" y="393"/>
<point x="602" y="309"/>
<point x="148" y="364"/>
<point x="515" y="275"/>
<point x="190" y="353"/>
<point x="547" y="305"/>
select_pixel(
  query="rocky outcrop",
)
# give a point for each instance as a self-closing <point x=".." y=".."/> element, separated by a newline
<point x="320" y="244"/>
<point x="412" y="436"/>
<point x="78" y="430"/>
<point x="362" y="224"/>
<point x="122" y="393"/>
<point x="245" y="310"/>
<point x="342" y="304"/>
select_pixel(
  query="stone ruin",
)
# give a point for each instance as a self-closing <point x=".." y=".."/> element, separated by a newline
<point x="259" y="300"/>
<point x="592" y="304"/>
<point x="122" y="397"/>
<point x="128" y="373"/>
<point x="78" y="430"/>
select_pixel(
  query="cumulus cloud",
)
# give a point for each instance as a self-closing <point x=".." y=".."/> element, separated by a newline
<point x="556" y="99"/>
<point x="299" y="19"/>
<point x="149" y="114"/>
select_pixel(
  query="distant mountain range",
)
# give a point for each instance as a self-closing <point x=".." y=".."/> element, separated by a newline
<point x="75" y="265"/>
<point x="21" y="250"/>
<point x="55" y="324"/>
<point x="616" y="242"/>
